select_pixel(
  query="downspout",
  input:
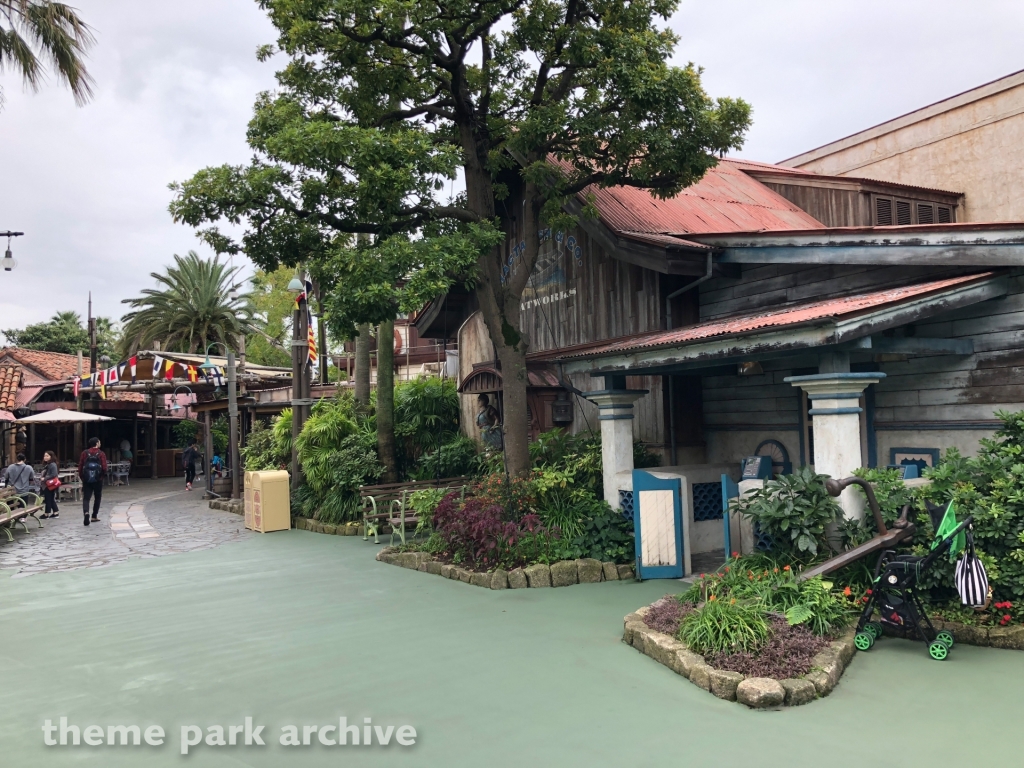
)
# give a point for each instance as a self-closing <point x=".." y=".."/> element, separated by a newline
<point x="668" y="326"/>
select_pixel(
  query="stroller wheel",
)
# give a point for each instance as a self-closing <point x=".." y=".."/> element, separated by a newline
<point x="864" y="641"/>
<point x="938" y="650"/>
<point x="945" y="637"/>
<point x="874" y="628"/>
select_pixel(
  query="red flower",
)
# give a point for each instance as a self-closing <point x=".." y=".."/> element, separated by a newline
<point x="702" y="575"/>
<point x="1007" y="617"/>
<point x="869" y="592"/>
<point x="735" y="554"/>
<point x="727" y="569"/>
<point x="863" y="599"/>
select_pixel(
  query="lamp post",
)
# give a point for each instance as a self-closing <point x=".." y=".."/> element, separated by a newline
<point x="300" y="395"/>
<point x="232" y="412"/>
<point x="8" y="262"/>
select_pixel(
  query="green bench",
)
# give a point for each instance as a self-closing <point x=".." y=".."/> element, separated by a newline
<point x="15" y="509"/>
<point x="387" y="503"/>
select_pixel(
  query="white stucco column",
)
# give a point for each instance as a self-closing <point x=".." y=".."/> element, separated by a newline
<point x="616" y="417"/>
<point x="837" y="439"/>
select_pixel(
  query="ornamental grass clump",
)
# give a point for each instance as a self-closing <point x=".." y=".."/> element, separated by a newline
<point x="725" y="625"/>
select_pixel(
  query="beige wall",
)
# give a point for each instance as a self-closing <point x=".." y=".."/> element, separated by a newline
<point x="972" y="143"/>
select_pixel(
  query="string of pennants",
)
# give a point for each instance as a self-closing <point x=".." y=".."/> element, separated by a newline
<point x="162" y="368"/>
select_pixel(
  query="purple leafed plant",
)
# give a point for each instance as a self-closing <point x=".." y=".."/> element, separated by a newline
<point x="667" y="614"/>
<point x="476" y="534"/>
<point x="787" y="653"/>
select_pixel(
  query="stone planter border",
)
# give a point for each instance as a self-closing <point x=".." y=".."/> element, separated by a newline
<point x="564" y="573"/>
<point x="755" y="692"/>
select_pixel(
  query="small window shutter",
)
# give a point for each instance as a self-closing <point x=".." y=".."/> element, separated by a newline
<point x="903" y="215"/>
<point x="925" y="214"/>
<point x="883" y="212"/>
<point x="945" y="216"/>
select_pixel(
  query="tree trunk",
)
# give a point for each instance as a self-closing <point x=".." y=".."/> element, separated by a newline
<point x="363" y="369"/>
<point x="386" y="400"/>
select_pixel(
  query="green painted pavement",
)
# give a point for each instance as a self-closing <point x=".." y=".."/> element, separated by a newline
<point x="300" y="628"/>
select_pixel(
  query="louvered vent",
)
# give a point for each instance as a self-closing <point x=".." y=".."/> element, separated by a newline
<point x="903" y="216"/>
<point x="883" y="212"/>
<point x="925" y="214"/>
<point x="945" y="215"/>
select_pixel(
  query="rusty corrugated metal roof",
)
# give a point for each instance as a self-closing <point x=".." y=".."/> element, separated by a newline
<point x="804" y="313"/>
<point x="726" y="199"/>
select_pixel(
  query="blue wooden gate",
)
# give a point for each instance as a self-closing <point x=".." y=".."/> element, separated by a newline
<point x="730" y="490"/>
<point x="658" y="524"/>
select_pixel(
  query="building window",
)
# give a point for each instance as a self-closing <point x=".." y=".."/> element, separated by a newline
<point x="889" y="211"/>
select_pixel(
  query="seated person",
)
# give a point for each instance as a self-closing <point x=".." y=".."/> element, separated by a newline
<point x="21" y="476"/>
<point x="217" y="466"/>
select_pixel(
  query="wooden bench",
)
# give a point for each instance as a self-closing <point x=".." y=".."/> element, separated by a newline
<point x="15" y="509"/>
<point x="386" y="503"/>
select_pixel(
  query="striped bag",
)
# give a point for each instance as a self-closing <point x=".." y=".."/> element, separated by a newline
<point x="970" y="577"/>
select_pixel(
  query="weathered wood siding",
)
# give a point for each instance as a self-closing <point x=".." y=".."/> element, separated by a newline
<point x="933" y="401"/>
<point x="602" y="298"/>
<point x="774" y="286"/>
<point x="832" y="207"/>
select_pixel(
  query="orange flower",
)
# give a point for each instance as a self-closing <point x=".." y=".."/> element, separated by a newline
<point x="847" y="591"/>
<point x="785" y="567"/>
<point x="710" y="598"/>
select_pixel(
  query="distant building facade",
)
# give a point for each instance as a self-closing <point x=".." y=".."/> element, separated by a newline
<point x="972" y="143"/>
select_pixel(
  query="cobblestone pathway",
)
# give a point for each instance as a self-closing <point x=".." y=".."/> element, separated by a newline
<point x="147" y="519"/>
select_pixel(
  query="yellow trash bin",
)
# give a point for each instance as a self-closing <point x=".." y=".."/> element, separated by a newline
<point x="268" y="501"/>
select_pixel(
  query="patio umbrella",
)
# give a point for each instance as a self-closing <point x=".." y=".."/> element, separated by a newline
<point x="62" y="416"/>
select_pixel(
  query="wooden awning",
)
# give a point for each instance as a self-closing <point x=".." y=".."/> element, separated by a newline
<point x="485" y="378"/>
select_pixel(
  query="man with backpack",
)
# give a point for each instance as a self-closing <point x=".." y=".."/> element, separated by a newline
<point x="92" y="468"/>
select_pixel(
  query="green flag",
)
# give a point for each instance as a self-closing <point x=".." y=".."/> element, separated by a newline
<point x="947" y="526"/>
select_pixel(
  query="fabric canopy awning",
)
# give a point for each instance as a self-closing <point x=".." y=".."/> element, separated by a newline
<point x="62" y="416"/>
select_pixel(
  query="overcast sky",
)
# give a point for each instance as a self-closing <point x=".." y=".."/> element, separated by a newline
<point x="175" y="84"/>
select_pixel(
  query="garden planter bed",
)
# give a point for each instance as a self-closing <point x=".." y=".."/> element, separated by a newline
<point x="756" y="692"/>
<point x="564" y="573"/>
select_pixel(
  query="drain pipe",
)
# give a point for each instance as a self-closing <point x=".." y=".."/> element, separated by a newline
<point x="668" y="326"/>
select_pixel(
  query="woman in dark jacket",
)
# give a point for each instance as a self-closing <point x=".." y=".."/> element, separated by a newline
<point x="50" y="497"/>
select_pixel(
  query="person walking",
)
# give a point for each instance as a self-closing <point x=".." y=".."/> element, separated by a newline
<point x="92" y="468"/>
<point x="188" y="459"/>
<point x="21" y="476"/>
<point x="50" y="473"/>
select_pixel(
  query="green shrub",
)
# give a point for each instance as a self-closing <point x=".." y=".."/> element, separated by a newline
<point x="185" y="432"/>
<point x="426" y="416"/>
<point x="261" y="450"/>
<point x="794" y="510"/>
<point x="725" y="625"/>
<point x="423" y="503"/>
<point x="455" y="458"/>
<point x="990" y="487"/>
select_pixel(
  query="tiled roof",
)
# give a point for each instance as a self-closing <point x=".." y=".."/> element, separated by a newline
<point x="10" y="378"/>
<point x="55" y="366"/>
<point x="818" y="310"/>
<point x="726" y="199"/>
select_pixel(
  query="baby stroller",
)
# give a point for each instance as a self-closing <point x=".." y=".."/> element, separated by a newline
<point x="895" y="592"/>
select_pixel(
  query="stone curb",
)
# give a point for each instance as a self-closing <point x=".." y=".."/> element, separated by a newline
<point x="234" y="506"/>
<point x="754" y="692"/>
<point x="314" y="526"/>
<point x="1011" y="638"/>
<point x="564" y="573"/>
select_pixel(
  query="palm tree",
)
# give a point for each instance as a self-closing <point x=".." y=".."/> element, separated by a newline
<point x="30" y="29"/>
<point x="193" y="308"/>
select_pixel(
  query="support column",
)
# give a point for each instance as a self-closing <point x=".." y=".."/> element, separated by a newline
<point x="616" y="416"/>
<point x="153" y="438"/>
<point x="834" y="405"/>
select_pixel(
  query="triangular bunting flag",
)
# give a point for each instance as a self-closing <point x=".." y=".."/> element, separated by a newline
<point x="77" y="385"/>
<point x="169" y="374"/>
<point x="132" y="364"/>
<point x="193" y="374"/>
<point x="158" y="364"/>
<point x="113" y="377"/>
<point x="103" y="384"/>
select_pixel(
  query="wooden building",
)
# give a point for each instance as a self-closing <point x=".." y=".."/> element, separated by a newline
<point x="717" y="304"/>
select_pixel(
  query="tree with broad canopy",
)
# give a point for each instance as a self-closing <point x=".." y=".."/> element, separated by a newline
<point x="530" y="104"/>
